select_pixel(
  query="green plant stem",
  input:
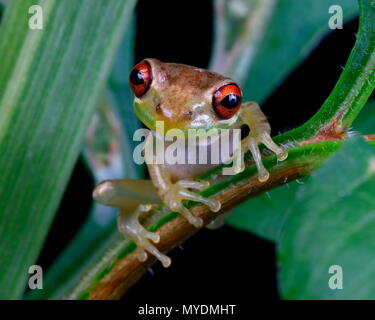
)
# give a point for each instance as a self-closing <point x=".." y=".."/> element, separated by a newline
<point x="352" y="90"/>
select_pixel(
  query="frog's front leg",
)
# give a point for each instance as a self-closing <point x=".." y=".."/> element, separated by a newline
<point x="173" y="194"/>
<point x="133" y="198"/>
<point x="260" y="131"/>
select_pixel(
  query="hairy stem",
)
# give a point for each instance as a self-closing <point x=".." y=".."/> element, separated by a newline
<point x="352" y="90"/>
<point x="116" y="272"/>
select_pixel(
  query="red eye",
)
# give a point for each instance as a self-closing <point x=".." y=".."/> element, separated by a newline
<point x="140" y="78"/>
<point x="227" y="100"/>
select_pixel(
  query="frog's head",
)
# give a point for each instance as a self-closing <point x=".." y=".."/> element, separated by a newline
<point x="184" y="97"/>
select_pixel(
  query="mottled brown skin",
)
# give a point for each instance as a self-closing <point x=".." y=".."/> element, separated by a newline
<point x="180" y="94"/>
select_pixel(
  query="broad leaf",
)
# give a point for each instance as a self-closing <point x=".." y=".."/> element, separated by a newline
<point x="50" y="82"/>
<point x="332" y="224"/>
<point x="264" y="214"/>
<point x="365" y="123"/>
<point x="109" y="156"/>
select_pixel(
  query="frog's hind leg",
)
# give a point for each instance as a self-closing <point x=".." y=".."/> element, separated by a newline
<point x="125" y="194"/>
<point x="130" y="226"/>
<point x="130" y="197"/>
<point x="260" y="131"/>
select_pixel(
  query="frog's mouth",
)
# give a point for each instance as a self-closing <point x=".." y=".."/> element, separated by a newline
<point x="150" y="119"/>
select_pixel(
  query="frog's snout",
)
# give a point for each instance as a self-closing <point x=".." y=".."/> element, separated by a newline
<point x="172" y="114"/>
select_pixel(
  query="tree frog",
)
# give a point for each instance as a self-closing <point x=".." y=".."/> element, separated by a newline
<point x="183" y="97"/>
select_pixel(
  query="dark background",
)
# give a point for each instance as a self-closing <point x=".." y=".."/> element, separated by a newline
<point x="225" y="264"/>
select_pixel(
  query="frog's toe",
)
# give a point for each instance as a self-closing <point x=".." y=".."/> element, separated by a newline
<point x="129" y="225"/>
<point x="263" y="174"/>
<point x="142" y="256"/>
<point x="177" y="206"/>
<point x="266" y="139"/>
<point x="180" y="193"/>
<point x="213" y="204"/>
<point x="238" y="163"/>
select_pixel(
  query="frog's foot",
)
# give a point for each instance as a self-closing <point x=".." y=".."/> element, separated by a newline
<point x="130" y="226"/>
<point x="180" y="191"/>
<point x="238" y="163"/>
<point x="264" y="138"/>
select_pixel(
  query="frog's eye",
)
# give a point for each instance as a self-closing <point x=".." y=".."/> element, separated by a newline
<point x="140" y="78"/>
<point x="227" y="100"/>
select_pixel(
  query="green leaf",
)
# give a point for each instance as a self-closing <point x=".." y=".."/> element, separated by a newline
<point x="85" y="248"/>
<point x="332" y="223"/>
<point x="365" y="123"/>
<point x="262" y="52"/>
<point x="264" y="215"/>
<point x="49" y="86"/>
<point x="108" y="154"/>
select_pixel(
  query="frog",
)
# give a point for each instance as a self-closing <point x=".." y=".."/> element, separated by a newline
<point x="182" y="97"/>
